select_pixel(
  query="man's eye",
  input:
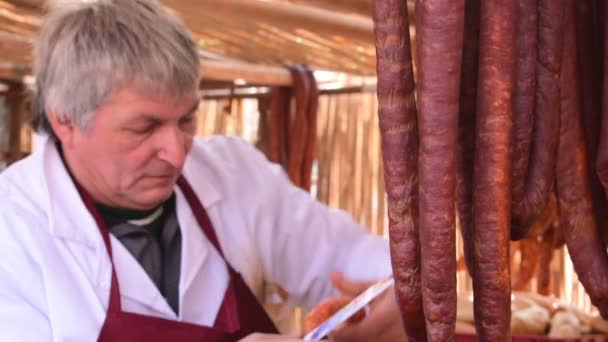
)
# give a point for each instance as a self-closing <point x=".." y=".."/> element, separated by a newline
<point x="143" y="129"/>
<point x="187" y="120"/>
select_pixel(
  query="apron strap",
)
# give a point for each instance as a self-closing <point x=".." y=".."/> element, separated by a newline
<point x="114" y="305"/>
<point x="201" y="215"/>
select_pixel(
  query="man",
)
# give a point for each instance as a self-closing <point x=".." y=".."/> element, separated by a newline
<point x="122" y="226"/>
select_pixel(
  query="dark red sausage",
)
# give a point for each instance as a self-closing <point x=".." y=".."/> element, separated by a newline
<point x="399" y="132"/>
<point x="586" y="249"/>
<point x="466" y="134"/>
<point x="492" y="195"/>
<point x="602" y="158"/>
<point x="558" y="235"/>
<point x="523" y="96"/>
<point x="298" y="127"/>
<point x="276" y="123"/>
<point x="543" y="282"/>
<point x="589" y="53"/>
<point x="545" y="221"/>
<point x="541" y="169"/>
<point x="529" y="260"/>
<point x="311" y="139"/>
<point x="439" y="39"/>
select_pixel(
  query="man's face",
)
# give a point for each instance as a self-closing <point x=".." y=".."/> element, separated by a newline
<point x="134" y="149"/>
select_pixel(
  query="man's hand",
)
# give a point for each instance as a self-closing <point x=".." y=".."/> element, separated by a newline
<point x="382" y="323"/>
<point x="270" y="338"/>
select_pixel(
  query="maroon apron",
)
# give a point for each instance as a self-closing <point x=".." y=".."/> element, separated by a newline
<point x="239" y="315"/>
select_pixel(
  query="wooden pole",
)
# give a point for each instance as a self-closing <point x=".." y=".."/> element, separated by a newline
<point x="30" y="4"/>
<point x="214" y="70"/>
<point x="250" y="73"/>
<point x="360" y="7"/>
<point x="309" y="17"/>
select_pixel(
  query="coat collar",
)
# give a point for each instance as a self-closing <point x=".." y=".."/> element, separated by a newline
<point x="68" y="216"/>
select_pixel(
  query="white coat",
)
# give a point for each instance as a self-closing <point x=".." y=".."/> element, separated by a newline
<point x="55" y="272"/>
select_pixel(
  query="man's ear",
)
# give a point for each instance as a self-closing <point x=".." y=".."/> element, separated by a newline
<point x="64" y="129"/>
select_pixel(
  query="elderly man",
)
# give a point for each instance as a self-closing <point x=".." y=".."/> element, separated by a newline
<point x="122" y="226"/>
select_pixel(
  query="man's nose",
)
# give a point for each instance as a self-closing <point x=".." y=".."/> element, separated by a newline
<point x="174" y="147"/>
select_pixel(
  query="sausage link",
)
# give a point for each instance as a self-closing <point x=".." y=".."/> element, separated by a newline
<point x="466" y="122"/>
<point x="558" y="235"/>
<point x="311" y="139"/>
<point x="298" y="128"/>
<point x="545" y="221"/>
<point x="529" y="260"/>
<point x="543" y="283"/>
<point x="279" y="100"/>
<point x="399" y="136"/>
<point x="579" y="226"/>
<point x="541" y="169"/>
<point x="523" y="95"/>
<point x="492" y="195"/>
<point x="542" y="223"/>
<point x="523" y="103"/>
<point x="602" y="158"/>
<point x="589" y="54"/>
<point x="439" y="41"/>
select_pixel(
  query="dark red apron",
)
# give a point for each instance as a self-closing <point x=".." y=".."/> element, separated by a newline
<point x="240" y="313"/>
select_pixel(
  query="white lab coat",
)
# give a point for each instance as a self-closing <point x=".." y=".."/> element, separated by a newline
<point x="55" y="272"/>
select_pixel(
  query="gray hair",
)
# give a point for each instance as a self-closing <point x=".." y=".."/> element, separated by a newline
<point x="88" y="49"/>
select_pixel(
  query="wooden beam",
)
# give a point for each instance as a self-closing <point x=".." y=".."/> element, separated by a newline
<point x="226" y="71"/>
<point x="223" y="93"/>
<point x="250" y="73"/>
<point x="360" y="7"/>
<point x="282" y="13"/>
<point x="32" y="4"/>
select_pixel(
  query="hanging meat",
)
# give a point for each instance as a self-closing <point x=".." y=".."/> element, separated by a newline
<point x="466" y="134"/>
<point x="492" y="186"/>
<point x="508" y="127"/>
<point x="399" y="131"/>
<point x="578" y="223"/>
<point x="541" y="169"/>
<point x="602" y="158"/>
<point x="439" y="39"/>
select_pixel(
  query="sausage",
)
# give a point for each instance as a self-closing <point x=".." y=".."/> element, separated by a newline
<point x="279" y="100"/>
<point x="298" y="127"/>
<point x="529" y="260"/>
<point x="541" y="169"/>
<point x="542" y="223"/>
<point x="546" y="219"/>
<point x="579" y="226"/>
<point x="491" y="191"/>
<point x="466" y="129"/>
<point x="558" y="235"/>
<point x="602" y="158"/>
<point x="523" y="97"/>
<point x="439" y="41"/>
<point x="399" y="141"/>
<point x="543" y="282"/>
<point x="589" y="53"/>
<point x="311" y="139"/>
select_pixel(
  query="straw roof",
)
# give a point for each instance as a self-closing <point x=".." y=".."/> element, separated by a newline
<point x="332" y="35"/>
